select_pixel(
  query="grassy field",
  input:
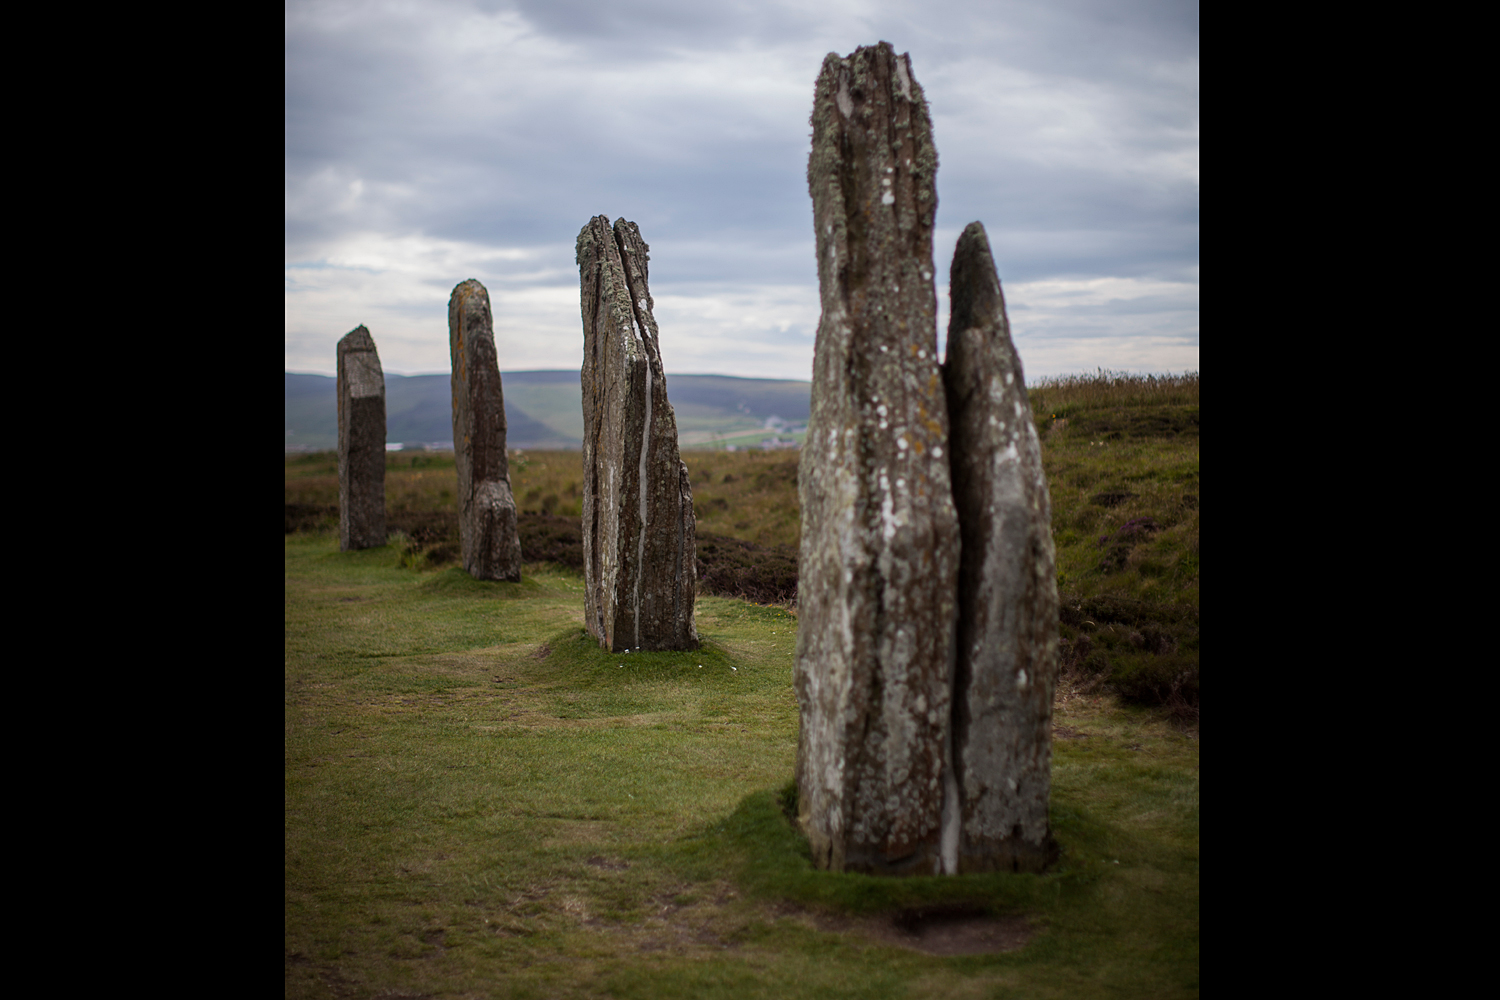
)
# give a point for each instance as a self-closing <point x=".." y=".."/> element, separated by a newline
<point x="481" y="803"/>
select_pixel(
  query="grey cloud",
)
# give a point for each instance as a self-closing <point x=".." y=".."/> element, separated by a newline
<point x="509" y="124"/>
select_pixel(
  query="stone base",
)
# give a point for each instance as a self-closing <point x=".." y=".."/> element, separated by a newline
<point x="1010" y="855"/>
<point x="925" y="860"/>
<point x="494" y="550"/>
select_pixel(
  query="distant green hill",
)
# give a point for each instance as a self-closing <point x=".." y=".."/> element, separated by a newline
<point x="545" y="409"/>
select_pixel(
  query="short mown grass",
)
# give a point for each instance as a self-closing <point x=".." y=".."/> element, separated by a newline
<point x="481" y="802"/>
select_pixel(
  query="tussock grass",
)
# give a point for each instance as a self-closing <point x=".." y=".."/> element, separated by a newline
<point x="1111" y="389"/>
<point x="751" y="495"/>
<point x="1121" y="454"/>
<point x="1125" y="517"/>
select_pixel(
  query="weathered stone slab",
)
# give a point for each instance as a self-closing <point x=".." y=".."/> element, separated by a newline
<point x="1007" y="618"/>
<point x="487" y="510"/>
<point x="639" y="544"/>
<point x="361" y="389"/>
<point x="880" y="544"/>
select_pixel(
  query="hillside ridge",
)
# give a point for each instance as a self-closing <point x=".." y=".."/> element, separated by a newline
<point x="543" y="409"/>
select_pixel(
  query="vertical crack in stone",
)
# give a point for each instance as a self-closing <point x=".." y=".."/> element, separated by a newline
<point x="927" y="654"/>
<point x="645" y="497"/>
<point x="640" y="562"/>
<point x="952" y="821"/>
<point x="640" y="558"/>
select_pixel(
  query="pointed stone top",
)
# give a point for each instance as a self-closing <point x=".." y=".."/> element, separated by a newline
<point x="357" y="339"/>
<point x="360" y="375"/>
<point x="974" y="283"/>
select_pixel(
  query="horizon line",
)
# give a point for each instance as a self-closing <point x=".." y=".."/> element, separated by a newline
<point x="571" y="371"/>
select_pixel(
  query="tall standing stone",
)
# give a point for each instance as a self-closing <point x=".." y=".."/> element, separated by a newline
<point x="639" y="536"/>
<point x="361" y="389"/>
<point x="487" y="509"/>
<point x="1007" y="617"/>
<point x="880" y="543"/>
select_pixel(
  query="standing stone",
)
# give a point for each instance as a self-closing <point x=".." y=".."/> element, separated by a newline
<point x="487" y="510"/>
<point x="880" y="544"/>
<point x="639" y="537"/>
<point x="1007" y="606"/>
<point x="361" y="389"/>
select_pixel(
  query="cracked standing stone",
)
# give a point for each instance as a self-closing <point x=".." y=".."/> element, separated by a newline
<point x="880" y="540"/>
<point x="639" y="534"/>
<point x="487" y="510"/>
<point x="1007" y="618"/>
<point x="361" y="390"/>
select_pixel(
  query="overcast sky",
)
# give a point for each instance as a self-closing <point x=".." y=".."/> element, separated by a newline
<point x="431" y="142"/>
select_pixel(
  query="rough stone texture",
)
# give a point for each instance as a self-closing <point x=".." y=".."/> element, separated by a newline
<point x="879" y="551"/>
<point x="639" y="544"/>
<point x="1007" y="608"/>
<point x="361" y="390"/>
<point x="486" y="508"/>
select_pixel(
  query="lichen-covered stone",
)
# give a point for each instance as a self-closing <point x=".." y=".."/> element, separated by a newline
<point x="361" y="390"/>
<point x="880" y="543"/>
<point x="639" y="537"/>
<point x="486" y="508"/>
<point x="1007" y="619"/>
